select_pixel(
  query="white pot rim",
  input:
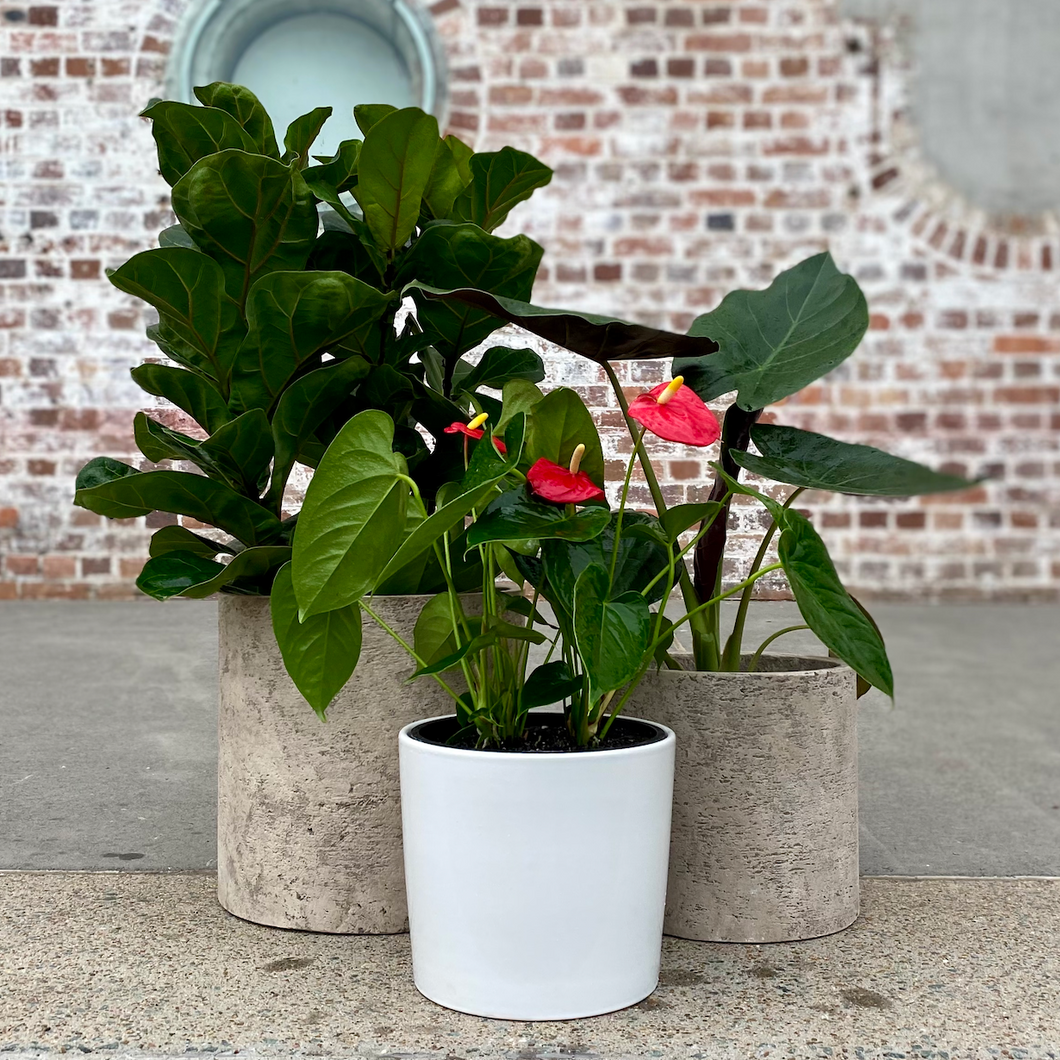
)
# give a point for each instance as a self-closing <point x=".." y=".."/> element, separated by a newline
<point x="529" y="756"/>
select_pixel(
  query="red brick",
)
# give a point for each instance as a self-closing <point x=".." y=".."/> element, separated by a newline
<point x="8" y="518"/>
<point x="1026" y="344"/>
<point x="22" y="566"/>
<point x="607" y="273"/>
<point x="716" y="42"/>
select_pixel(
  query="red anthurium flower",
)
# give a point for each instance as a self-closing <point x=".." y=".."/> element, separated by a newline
<point x="676" y="412"/>
<point x="563" y="485"/>
<point x="474" y="430"/>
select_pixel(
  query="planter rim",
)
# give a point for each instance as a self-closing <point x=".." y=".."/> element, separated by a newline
<point x="405" y="737"/>
<point x="826" y="665"/>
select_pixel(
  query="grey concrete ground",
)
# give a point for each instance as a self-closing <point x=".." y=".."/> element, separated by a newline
<point x="108" y="753"/>
<point x="135" y="963"/>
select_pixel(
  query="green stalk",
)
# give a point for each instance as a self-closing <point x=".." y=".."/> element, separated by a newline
<point x="753" y="663"/>
<point x="622" y="505"/>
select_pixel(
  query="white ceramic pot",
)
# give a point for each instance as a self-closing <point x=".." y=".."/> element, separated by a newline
<point x="765" y="821"/>
<point x="536" y="881"/>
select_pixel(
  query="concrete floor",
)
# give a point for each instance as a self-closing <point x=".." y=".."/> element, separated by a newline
<point x="108" y="746"/>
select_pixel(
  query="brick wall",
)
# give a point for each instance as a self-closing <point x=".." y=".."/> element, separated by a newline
<point x="698" y="146"/>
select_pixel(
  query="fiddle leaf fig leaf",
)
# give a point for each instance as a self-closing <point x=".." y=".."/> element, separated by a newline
<point x="189" y="575"/>
<point x="184" y="133"/>
<point x="245" y="107"/>
<point x="775" y="342"/>
<point x="344" y="252"/>
<point x="444" y="185"/>
<point x="829" y="610"/>
<point x="181" y="539"/>
<point x="99" y="473"/>
<point x="242" y="450"/>
<point x="612" y="635"/>
<point x="368" y="114"/>
<point x="466" y="255"/>
<point x="499" y="180"/>
<point x="187" y="289"/>
<point x="188" y="391"/>
<point x="559" y="422"/>
<point x="392" y="174"/>
<point x="462" y="155"/>
<point x="293" y="317"/>
<point x="597" y="337"/>
<point x="252" y="214"/>
<point x="353" y="517"/>
<point x="334" y="174"/>
<point x="815" y="461"/>
<point x="301" y="133"/>
<point x="320" y="653"/>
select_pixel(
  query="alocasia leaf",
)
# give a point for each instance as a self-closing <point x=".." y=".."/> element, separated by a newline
<point x="320" y="653"/>
<point x="499" y="180"/>
<point x="775" y="342"/>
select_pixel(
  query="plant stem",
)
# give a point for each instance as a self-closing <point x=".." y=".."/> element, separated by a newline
<point x="622" y="505"/>
<point x="752" y="665"/>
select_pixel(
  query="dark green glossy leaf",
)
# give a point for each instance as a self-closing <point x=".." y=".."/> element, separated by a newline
<point x="184" y="133"/>
<point x="243" y="450"/>
<point x="801" y="458"/>
<point x="368" y="114"/>
<point x="497" y="632"/>
<point x="499" y="180"/>
<point x="465" y="255"/>
<point x="612" y="635"/>
<point x="320" y="653"/>
<point x="433" y="637"/>
<point x="175" y="236"/>
<point x="518" y="397"/>
<point x="444" y="185"/>
<point x="392" y="174"/>
<point x="462" y="155"/>
<point x="301" y="133"/>
<point x="187" y="289"/>
<point x="295" y="316"/>
<point x="158" y="442"/>
<point x="515" y="516"/>
<point x="487" y="465"/>
<point x="181" y="493"/>
<point x="188" y="391"/>
<point x="100" y="472"/>
<point x="344" y="252"/>
<point x="337" y="173"/>
<point x="597" y="337"/>
<point x="353" y="516"/>
<point x="250" y="213"/>
<point x="549" y="683"/>
<point x="559" y="423"/>
<point x="498" y="365"/>
<point x="181" y="539"/>
<point x="675" y="521"/>
<point x="303" y="407"/>
<point x="827" y="607"/>
<point x="245" y="107"/>
<point x="171" y="573"/>
<point x="775" y="342"/>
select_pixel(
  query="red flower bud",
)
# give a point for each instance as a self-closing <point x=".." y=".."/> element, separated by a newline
<point x="677" y="414"/>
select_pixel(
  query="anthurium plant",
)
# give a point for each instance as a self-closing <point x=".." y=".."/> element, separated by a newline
<point x="761" y="347"/>
<point x="280" y="318"/>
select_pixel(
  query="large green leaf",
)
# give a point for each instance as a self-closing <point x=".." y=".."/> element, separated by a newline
<point x="498" y="365"/>
<point x="301" y="133"/>
<point x="293" y="317"/>
<point x="189" y="392"/>
<point x="612" y="635"/>
<point x="827" y="607"/>
<point x="444" y="185"/>
<point x="433" y="637"/>
<point x="368" y="114"/>
<point x="158" y="442"/>
<point x="245" y="107"/>
<point x="516" y="516"/>
<point x="342" y="251"/>
<point x="303" y="407"/>
<point x="549" y="683"/>
<point x="103" y="471"/>
<point x="243" y="450"/>
<point x="189" y="574"/>
<point x="353" y="516"/>
<point x="181" y="539"/>
<point x="802" y="458"/>
<point x="518" y="397"/>
<point x="393" y="172"/>
<point x="184" y="133"/>
<point x="187" y="289"/>
<point x="252" y="214"/>
<point x="775" y="342"/>
<point x="597" y="337"/>
<point x="560" y="422"/>
<point x="320" y="653"/>
<point x="464" y="255"/>
<point x="181" y="493"/>
<point x="499" y="180"/>
<point x="336" y="173"/>
<point x="175" y="236"/>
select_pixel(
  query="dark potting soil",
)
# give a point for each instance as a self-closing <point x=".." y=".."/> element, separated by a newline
<point x="545" y="734"/>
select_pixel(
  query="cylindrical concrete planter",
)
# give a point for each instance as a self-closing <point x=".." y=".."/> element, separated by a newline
<point x="536" y="881"/>
<point x="765" y="819"/>
<point x="308" y="814"/>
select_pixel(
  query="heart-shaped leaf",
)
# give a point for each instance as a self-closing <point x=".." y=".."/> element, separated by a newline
<point x="498" y="365"/>
<point x="597" y="337"/>
<point x="550" y="683"/>
<point x="246" y="108"/>
<point x="392" y="174"/>
<point x="464" y="255"/>
<point x="353" y="517"/>
<point x="775" y="342"/>
<point x="320" y="653"/>
<point x="184" y="133"/>
<point x="827" y="607"/>
<point x="189" y="392"/>
<point x="612" y="636"/>
<point x="515" y="516"/>
<point x="815" y="461"/>
<point x="499" y="180"/>
<point x="301" y="133"/>
<point x="558" y="424"/>
<point x="252" y="214"/>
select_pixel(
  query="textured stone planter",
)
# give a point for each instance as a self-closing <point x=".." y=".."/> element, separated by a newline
<point x="308" y="815"/>
<point x="765" y="820"/>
